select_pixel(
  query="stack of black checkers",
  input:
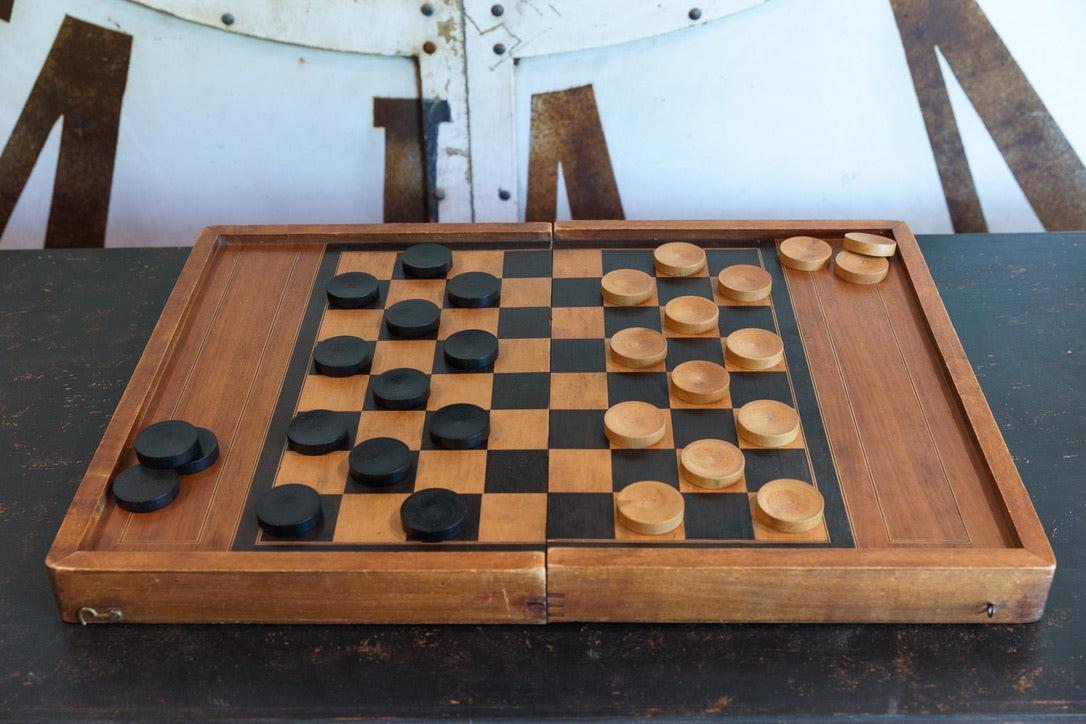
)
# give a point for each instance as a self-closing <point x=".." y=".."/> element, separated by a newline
<point x="166" y="450"/>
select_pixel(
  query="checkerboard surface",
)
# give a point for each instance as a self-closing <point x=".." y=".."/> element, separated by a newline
<point x="547" y="475"/>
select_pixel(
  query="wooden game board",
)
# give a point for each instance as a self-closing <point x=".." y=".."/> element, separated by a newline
<point x="925" y="516"/>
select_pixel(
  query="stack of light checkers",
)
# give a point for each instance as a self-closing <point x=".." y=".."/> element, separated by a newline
<point x="431" y="514"/>
<point x="864" y="260"/>
<point x="652" y="507"/>
<point x="166" y="450"/>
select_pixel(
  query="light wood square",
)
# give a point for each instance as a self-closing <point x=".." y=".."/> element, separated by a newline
<point x="573" y="263"/>
<point x="456" y="319"/>
<point x="462" y="471"/>
<point x="579" y="391"/>
<point x="404" y="425"/>
<point x="579" y="471"/>
<point x="523" y="355"/>
<point x="333" y="393"/>
<point x="390" y="354"/>
<point x="818" y="534"/>
<point x="513" y="518"/>
<point x="364" y="323"/>
<point x="491" y="261"/>
<point x="519" y="429"/>
<point x="370" y="519"/>
<point x="327" y="474"/>
<point x="432" y="290"/>
<point x="577" y="323"/>
<point x="526" y="292"/>
<point x="475" y="388"/>
<point x="378" y="263"/>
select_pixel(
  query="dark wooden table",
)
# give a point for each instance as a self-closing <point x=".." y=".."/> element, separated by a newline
<point x="73" y="324"/>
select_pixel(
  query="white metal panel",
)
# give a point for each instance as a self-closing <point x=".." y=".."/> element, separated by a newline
<point x="392" y="27"/>
<point x="443" y="77"/>
<point x="379" y="27"/>
<point x="493" y="125"/>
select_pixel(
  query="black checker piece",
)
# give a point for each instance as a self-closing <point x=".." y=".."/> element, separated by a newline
<point x="461" y="426"/>
<point x="426" y="261"/>
<point x="167" y="444"/>
<point x="474" y="290"/>
<point x="140" y="489"/>
<point x="289" y="510"/>
<point x="209" y="453"/>
<point x="470" y="349"/>
<point x="316" y="432"/>
<point x="433" y="515"/>
<point x="352" y="290"/>
<point x="413" y="318"/>
<point x="380" y="461"/>
<point x="342" y="356"/>
<point x="402" y="388"/>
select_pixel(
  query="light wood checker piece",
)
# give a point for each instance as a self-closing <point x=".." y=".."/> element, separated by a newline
<point x="805" y="253"/>
<point x="858" y="269"/>
<point x="790" y="506"/>
<point x="679" y="259"/>
<point x="767" y="423"/>
<point x="755" y="349"/>
<point x="627" y="287"/>
<point x="869" y="244"/>
<point x="700" y="382"/>
<point x="634" y="425"/>
<point x="650" y="507"/>
<point x="911" y="530"/>
<point x="638" y="347"/>
<point x="745" y="283"/>
<point x="691" y="315"/>
<point x="712" y="463"/>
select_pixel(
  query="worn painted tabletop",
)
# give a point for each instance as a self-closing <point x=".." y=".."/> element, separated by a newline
<point x="73" y="324"/>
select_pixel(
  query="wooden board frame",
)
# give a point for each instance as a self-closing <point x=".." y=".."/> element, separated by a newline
<point x="1003" y="579"/>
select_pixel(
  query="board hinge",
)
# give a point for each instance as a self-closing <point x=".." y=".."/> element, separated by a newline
<point x="87" y="615"/>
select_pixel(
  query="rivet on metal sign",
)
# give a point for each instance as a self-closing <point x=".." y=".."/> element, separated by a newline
<point x="499" y="48"/>
<point x="429" y="47"/>
<point x="427" y="9"/>
<point x="694" y="14"/>
<point x="227" y="19"/>
<point x="496" y="10"/>
<point x="439" y="194"/>
<point x="504" y="194"/>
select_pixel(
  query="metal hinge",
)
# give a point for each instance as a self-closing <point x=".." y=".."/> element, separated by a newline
<point x="86" y="615"/>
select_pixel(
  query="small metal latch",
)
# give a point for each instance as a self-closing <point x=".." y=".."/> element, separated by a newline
<point x="87" y="615"/>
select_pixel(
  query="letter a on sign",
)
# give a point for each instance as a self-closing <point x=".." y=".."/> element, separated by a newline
<point x="83" y="80"/>
<point x="566" y="130"/>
